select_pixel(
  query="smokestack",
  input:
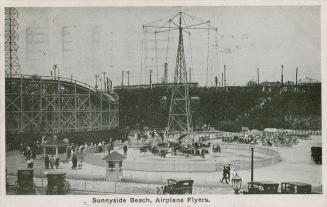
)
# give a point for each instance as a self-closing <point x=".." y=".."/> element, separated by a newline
<point x="150" y="78"/>
<point x="296" y="78"/>
<point x="222" y="79"/>
<point x="165" y="80"/>
<point x="128" y="72"/>
<point x="122" y="78"/>
<point x="225" y="75"/>
<point x="282" y="75"/>
<point x="258" y="74"/>
<point x="54" y="71"/>
<point x="96" y="81"/>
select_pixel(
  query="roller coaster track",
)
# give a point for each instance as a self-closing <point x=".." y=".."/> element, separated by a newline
<point x="55" y="104"/>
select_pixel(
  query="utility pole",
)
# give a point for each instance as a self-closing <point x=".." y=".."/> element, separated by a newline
<point x="128" y="72"/>
<point x="104" y="80"/>
<point x="190" y="74"/>
<point x="222" y="79"/>
<point x="122" y="78"/>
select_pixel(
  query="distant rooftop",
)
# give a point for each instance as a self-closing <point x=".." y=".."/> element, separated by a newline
<point x="114" y="156"/>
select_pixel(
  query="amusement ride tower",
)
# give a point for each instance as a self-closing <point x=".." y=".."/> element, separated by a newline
<point x="180" y="116"/>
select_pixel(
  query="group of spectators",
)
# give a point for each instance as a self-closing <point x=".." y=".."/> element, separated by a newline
<point x="51" y="162"/>
<point x="29" y="152"/>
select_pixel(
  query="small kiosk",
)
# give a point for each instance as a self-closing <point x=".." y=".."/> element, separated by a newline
<point x="53" y="143"/>
<point x="114" y="171"/>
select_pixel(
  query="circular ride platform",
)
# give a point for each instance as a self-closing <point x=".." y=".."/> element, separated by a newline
<point x="238" y="155"/>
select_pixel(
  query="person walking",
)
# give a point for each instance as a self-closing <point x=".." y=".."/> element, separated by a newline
<point x="228" y="168"/>
<point x="224" y="175"/>
<point x="46" y="162"/>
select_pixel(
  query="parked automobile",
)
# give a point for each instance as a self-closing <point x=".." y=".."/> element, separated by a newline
<point x="316" y="154"/>
<point x="262" y="187"/>
<point x="174" y="186"/>
<point x="57" y="184"/>
<point x="296" y="188"/>
<point x="25" y="183"/>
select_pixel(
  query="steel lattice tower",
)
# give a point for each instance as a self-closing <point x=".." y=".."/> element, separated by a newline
<point x="180" y="118"/>
<point x="11" y="38"/>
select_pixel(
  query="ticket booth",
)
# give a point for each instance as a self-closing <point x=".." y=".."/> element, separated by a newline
<point x="114" y="163"/>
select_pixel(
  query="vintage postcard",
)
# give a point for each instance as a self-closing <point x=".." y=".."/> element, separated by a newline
<point x="163" y="104"/>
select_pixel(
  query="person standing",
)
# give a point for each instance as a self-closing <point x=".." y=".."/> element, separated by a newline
<point x="109" y="148"/>
<point x="46" y="162"/>
<point x="52" y="160"/>
<point x="74" y="161"/>
<point x="57" y="162"/>
<point x="125" y="150"/>
<point x="30" y="163"/>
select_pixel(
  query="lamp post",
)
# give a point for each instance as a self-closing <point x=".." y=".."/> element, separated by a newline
<point x="252" y="145"/>
<point x="236" y="183"/>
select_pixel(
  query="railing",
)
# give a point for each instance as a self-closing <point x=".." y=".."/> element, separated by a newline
<point x="69" y="80"/>
<point x="96" y="186"/>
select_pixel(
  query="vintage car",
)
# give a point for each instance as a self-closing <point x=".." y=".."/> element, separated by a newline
<point x="174" y="186"/>
<point x="144" y="148"/>
<point x="25" y="183"/>
<point x="57" y="184"/>
<point x="296" y="188"/>
<point x="316" y="154"/>
<point x="216" y="148"/>
<point x="262" y="187"/>
<point x="163" y="152"/>
<point x="154" y="150"/>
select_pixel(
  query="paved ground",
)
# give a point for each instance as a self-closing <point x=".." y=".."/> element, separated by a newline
<point x="296" y="165"/>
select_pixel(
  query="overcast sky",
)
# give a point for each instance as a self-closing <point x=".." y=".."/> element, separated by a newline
<point x="87" y="41"/>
